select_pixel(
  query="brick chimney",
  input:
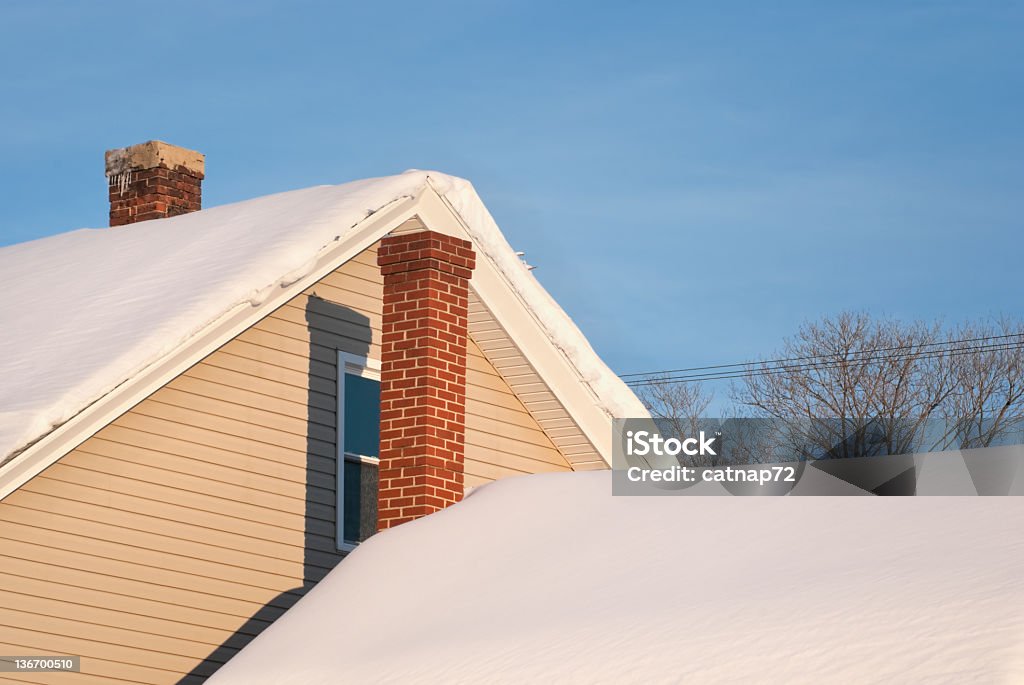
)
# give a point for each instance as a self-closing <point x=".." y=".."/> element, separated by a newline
<point x="423" y="373"/>
<point x="153" y="180"/>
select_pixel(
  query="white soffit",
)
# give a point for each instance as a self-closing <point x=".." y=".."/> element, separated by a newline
<point x="550" y="364"/>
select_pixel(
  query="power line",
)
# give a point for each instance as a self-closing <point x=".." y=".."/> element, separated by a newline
<point x="768" y="370"/>
<point x="815" y="366"/>
<point x="824" y="365"/>
<point x="844" y="355"/>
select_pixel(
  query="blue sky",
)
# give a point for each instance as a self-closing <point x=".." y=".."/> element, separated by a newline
<point x="692" y="180"/>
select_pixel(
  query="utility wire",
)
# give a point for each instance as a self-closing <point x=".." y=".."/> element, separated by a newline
<point x="741" y="373"/>
<point x="843" y="355"/>
<point x="812" y="366"/>
<point x="823" y="365"/>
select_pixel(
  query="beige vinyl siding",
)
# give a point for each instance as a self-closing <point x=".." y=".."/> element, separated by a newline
<point x="205" y="511"/>
<point x="502" y="439"/>
<point x="508" y="361"/>
<point x="197" y="517"/>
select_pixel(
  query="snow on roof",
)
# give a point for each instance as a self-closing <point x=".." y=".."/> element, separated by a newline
<point x="548" y="578"/>
<point x="84" y="311"/>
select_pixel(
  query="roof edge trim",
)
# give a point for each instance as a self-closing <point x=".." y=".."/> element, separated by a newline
<point x="513" y="313"/>
<point x="21" y="468"/>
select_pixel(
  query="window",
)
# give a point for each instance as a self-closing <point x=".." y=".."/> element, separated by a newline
<point x="358" y="443"/>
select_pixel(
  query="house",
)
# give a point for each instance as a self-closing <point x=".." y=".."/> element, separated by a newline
<point x="202" y="412"/>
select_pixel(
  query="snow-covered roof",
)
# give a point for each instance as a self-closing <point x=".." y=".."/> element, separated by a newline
<point x="83" y="312"/>
<point x="550" y="579"/>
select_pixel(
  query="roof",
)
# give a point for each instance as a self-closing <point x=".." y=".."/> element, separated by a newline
<point x="584" y="587"/>
<point x="85" y="313"/>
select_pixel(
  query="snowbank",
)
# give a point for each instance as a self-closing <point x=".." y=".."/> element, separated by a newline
<point x="548" y="578"/>
<point x="84" y="311"/>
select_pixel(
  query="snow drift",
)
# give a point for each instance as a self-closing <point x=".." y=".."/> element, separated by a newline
<point x="549" y="578"/>
<point x="84" y="311"/>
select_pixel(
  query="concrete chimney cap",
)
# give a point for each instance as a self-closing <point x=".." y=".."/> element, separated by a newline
<point x="153" y="154"/>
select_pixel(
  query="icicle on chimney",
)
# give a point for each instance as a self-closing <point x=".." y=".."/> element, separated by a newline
<point x="153" y="180"/>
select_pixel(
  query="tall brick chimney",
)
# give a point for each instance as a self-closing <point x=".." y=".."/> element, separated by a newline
<point x="153" y="180"/>
<point x="423" y="373"/>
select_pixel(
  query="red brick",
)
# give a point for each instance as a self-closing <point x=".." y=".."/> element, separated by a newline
<point x="424" y="334"/>
<point x="155" y="193"/>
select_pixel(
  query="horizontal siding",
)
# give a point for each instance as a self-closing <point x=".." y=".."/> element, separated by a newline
<point x="194" y="519"/>
<point x="181" y="530"/>
<point x="503" y="356"/>
<point x="103" y="662"/>
<point x="502" y="439"/>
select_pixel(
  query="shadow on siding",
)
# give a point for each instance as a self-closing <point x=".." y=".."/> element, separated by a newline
<point x="327" y="323"/>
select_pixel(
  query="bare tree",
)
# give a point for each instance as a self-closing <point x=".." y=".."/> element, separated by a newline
<point x="750" y="439"/>
<point x="988" y="369"/>
<point x="679" y="409"/>
<point x="852" y="385"/>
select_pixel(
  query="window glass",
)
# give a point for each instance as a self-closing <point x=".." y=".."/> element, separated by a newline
<point x="360" y="501"/>
<point x="362" y="415"/>
<point x="359" y="430"/>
